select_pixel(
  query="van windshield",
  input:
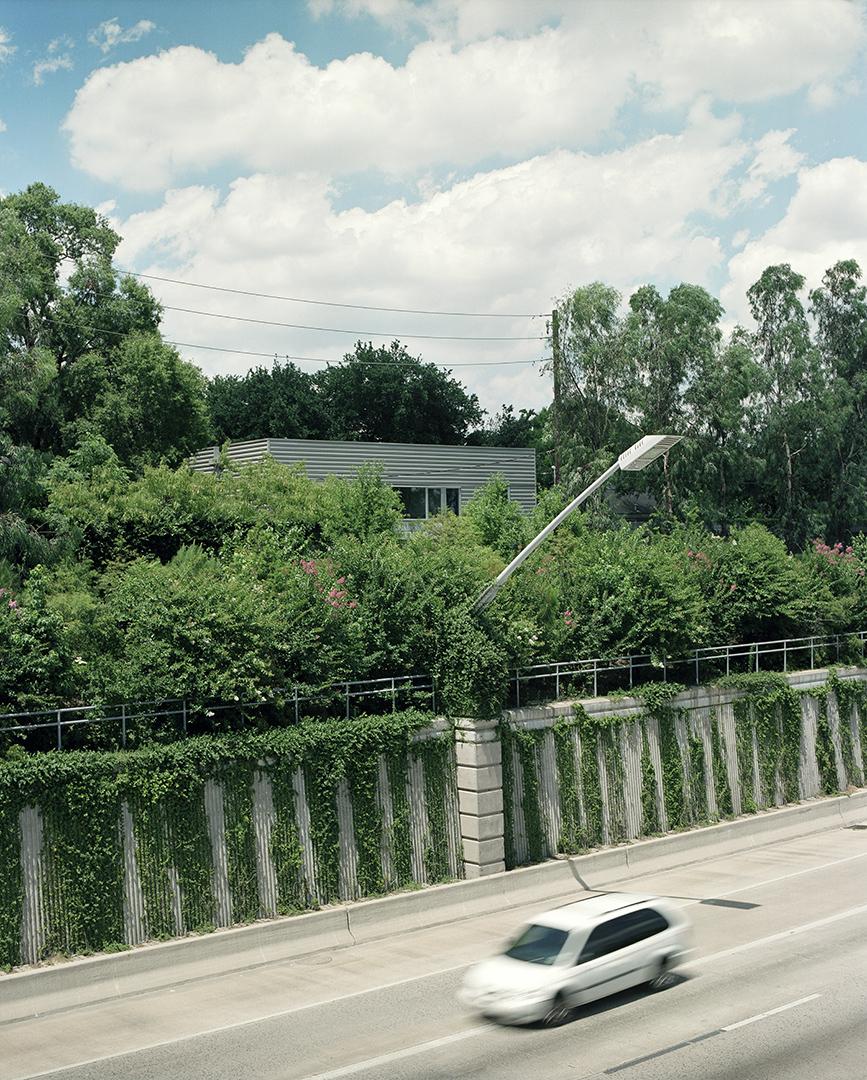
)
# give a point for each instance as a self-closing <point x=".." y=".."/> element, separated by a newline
<point x="538" y="944"/>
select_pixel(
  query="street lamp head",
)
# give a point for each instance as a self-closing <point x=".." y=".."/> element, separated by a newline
<point x="646" y="450"/>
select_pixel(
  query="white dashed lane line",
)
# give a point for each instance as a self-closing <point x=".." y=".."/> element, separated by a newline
<point x="708" y="1035"/>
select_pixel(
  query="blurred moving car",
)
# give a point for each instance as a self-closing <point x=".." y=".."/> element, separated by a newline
<point x="574" y="954"/>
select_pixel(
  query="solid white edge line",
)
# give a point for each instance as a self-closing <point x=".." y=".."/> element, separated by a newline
<point x="398" y="1055"/>
<point x="770" y="1012"/>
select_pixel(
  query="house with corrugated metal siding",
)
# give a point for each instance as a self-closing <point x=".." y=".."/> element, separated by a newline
<point x="428" y="478"/>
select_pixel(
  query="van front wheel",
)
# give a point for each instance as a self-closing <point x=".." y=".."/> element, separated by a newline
<point x="558" y="1013"/>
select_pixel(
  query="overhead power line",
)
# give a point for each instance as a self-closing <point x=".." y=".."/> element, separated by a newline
<point x="343" y="362"/>
<point x="391" y="336"/>
<point x="288" y="356"/>
<point x="354" y="333"/>
<point x="336" y="303"/>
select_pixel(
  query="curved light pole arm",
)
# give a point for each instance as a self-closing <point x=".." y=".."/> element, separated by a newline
<point x="501" y="579"/>
<point x="637" y="457"/>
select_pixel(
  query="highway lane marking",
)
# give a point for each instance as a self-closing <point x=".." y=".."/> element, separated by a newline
<point x="661" y="1053"/>
<point x="703" y="1037"/>
<point x="410" y="1051"/>
<point x="771" y="1012"/>
<point x="782" y="934"/>
<point x="399" y="1055"/>
<point x="849" y="913"/>
<point x="774" y="880"/>
<point x="420" y="1048"/>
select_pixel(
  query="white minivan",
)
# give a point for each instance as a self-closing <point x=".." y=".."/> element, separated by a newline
<point x="577" y="953"/>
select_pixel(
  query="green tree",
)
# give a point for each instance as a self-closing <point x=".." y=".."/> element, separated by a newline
<point x="46" y="326"/>
<point x="496" y="521"/>
<point x="146" y="401"/>
<point x="670" y="343"/>
<point x="716" y="459"/>
<point x="387" y="395"/>
<point x="37" y="662"/>
<point x="278" y="402"/>
<point x="790" y="408"/>
<point x="839" y="308"/>
<point x="596" y="376"/>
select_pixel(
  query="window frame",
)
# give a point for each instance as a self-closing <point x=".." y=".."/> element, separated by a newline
<point x="627" y="930"/>
<point x="443" y="488"/>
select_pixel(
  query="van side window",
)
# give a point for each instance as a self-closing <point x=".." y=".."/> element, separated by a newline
<point x="605" y="938"/>
<point x="621" y="932"/>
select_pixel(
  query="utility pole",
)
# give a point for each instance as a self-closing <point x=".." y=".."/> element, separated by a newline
<point x="555" y="363"/>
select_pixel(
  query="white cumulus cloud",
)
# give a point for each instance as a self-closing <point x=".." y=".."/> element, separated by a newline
<point x="165" y="118"/>
<point x="110" y="33"/>
<point x="774" y="159"/>
<point x="508" y="240"/>
<point x="825" y="221"/>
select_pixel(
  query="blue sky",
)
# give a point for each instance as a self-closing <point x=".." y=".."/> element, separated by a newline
<point x="454" y="155"/>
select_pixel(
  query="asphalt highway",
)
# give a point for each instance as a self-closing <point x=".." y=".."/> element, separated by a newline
<point x="776" y="988"/>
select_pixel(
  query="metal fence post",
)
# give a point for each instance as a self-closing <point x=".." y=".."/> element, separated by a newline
<point x="630" y="671"/>
<point x="59" y="732"/>
<point x="184" y="715"/>
<point x="557" y="684"/>
<point x="393" y="703"/>
<point x="595" y="685"/>
<point x="697" y="679"/>
<point x="812" y="657"/>
<point x="347" y="700"/>
<point x="785" y="657"/>
<point x="296" y="704"/>
<point x="664" y="670"/>
<point x="517" y="688"/>
<point x="123" y="726"/>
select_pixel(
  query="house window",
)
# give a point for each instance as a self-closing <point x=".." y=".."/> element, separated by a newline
<point x="424" y="502"/>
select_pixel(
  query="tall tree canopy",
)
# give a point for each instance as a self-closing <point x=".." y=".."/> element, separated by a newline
<point x="279" y="402"/>
<point x="387" y="395"/>
<point x="774" y="416"/>
<point x="79" y="345"/>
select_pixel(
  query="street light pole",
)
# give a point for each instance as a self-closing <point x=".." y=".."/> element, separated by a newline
<point x="638" y="456"/>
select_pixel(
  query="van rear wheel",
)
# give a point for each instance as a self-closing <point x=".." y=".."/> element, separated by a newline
<point x="664" y="977"/>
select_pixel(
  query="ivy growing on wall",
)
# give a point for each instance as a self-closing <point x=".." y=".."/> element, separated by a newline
<point x="768" y="731"/>
<point x="851" y="696"/>
<point x="11" y="889"/>
<point x="525" y="743"/>
<point x="566" y="749"/>
<point x="825" y="749"/>
<point x="81" y="798"/>
<point x="437" y="756"/>
<point x="722" y="783"/>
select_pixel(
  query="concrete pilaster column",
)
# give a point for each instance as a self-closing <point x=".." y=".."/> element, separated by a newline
<point x="480" y="796"/>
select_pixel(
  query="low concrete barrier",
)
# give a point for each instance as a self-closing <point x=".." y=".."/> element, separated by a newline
<point x="149" y="967"/>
